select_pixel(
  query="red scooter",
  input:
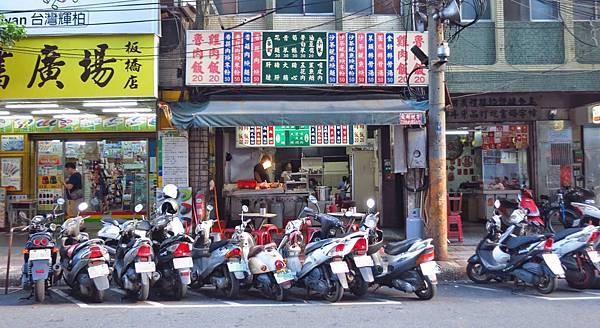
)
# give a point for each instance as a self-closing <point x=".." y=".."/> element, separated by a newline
<point x="535" y="222"/>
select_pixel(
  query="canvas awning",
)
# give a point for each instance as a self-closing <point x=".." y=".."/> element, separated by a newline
<point x="231" y="113"/>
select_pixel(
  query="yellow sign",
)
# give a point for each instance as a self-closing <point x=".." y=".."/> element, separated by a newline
<point x="79" y="67"/>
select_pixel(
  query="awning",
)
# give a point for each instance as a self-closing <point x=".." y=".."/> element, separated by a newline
<point x="229" y="113"/>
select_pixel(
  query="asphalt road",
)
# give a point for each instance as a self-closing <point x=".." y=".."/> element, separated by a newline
<point x="456" y="305"/>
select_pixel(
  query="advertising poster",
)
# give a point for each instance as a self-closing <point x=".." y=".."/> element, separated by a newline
<point x="14" y="142"/>
<point x="11" y="173"/>
<point x="49" y="173"/>
<point x="3" y="202"/>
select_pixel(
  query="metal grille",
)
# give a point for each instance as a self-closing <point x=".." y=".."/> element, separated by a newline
<point x="560" y="154"/>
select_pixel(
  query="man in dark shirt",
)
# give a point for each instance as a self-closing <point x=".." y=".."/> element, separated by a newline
<point x="260" y="169"/>
<point x="73" y="189"/>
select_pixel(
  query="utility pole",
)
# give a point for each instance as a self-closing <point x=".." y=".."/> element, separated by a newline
<point x="199" y="22"/>
<point x="438" y="204"/>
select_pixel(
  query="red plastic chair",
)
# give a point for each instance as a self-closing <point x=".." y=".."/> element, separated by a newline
<point x="455" y="230"/>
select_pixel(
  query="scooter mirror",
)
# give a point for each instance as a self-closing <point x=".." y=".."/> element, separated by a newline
<point x="138" y="208"/>
<point x="497" y="203"/>
<point x="312" y="199"/>
<point x="245" y="209"/>
<point x="209" y="208"/>
<point x="22" y="215"/>
<point x="370" y="203"/>
<point x="116" y="223"/>
<point x="82" y="207"/>
<point x="60" y="201"/>
<point x="170" y="191"/>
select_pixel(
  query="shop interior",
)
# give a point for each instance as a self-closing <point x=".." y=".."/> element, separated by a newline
<point x="116" y="174"/>
<point x="486" y="162"/>
<point x="329" y="162"/>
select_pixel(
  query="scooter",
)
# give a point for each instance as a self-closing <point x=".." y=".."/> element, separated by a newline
<point x="172" y="247"/>
<point x="134" y="267"/>
<point x="84" y="261"/>
<point x="40" y="269"/>
<point x="574" y="208"/>
<point x="219" y="263"/>
<point x="574" y="247"/>
<point x="504" y="257"/>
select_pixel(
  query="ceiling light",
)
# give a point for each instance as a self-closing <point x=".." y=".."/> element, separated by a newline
<point x="137" y="115"/>
<point x="29" y="106"/>
<point x="4" y="112"/>
<point x="457" y="132"/>
<point x="69" y="116"/>
<point x="54" y="111"/>
<point x="110" y="104"/>
<point x="17" y="117"/>
<point x="126" y="110"/>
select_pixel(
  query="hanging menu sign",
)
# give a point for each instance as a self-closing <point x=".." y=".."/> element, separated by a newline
<point x="303" y="58"/>
<point x="301" y="136"/>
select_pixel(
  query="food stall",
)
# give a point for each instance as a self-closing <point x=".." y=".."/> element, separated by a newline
<point x="485" y="163"/>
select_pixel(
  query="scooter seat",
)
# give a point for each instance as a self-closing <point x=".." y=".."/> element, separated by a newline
<point x="518" y="242"/>
<point x="564" y="233"/>
<point x="400" y="246"/>
<point x="317" y="244"/>
<point x="218" y="244"/>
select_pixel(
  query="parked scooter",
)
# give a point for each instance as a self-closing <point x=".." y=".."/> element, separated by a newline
<point x="574" y="246"/>
<point x="134" y="266"/>
<point x="40" y="269"/>
<point x="172" y="247"/>
<point x="219" y="263"/>
<point x="574" y="207"/>
<point x="84" y="261"/>
<point x="504" y="257"/>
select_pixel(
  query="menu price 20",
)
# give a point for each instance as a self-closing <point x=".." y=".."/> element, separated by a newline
<point x="303" y="58"/>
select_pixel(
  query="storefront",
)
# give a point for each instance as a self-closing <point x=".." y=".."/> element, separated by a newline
<point x="312" y="139"/>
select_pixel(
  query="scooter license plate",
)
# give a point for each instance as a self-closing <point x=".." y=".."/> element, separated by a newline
<point x="339" y="267"/>
<point x="553" y="262"/>
<point x="363" y="261"/>
<point x="98" y="271"/>
<point x="39" y="254"/>
<point x="145" y="267"/>
<point x="236" y="266"/>
<point x="183" y="262"/>
<point x="284" y="276"/>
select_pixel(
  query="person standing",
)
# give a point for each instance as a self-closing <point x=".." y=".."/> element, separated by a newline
<point x="260" y="169"/>
<point x="73" y="189"/>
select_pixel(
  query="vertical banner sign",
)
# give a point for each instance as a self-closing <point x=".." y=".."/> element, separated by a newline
<point x="302" y="58"/>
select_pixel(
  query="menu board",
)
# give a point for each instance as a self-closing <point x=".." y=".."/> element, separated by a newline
<point x="49" y="173"/>
<point x="174" y="164"/>
<point x="505" y="137"/>
<point x="301" y="136"/>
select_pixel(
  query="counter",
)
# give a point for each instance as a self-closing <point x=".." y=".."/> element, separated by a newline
<point x="478" y="205"/>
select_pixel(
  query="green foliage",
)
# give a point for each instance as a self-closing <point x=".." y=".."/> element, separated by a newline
<point x="10" y="32"/>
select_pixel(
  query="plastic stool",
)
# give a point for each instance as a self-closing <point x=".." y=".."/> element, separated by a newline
<point x="455" y="230"/>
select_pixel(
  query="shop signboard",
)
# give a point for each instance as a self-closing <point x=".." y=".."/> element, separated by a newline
<point x="301" y="136"/>
<point x="67" y="17"/>
<point x="596" y="114"/>
<point x="99" y="124"/>
<point x="79" y="67"/>
<point x="303" y="58"/>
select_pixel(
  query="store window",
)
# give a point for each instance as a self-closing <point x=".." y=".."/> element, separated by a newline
<point x="470" y="8"/>
<point x="584" y="10"/>
<point x="315" y="7"/>
<point x="531" y="10"/>
<point x="377" y="7"/>
<point x="115" y="174"/>
<point x="230" y="7"/>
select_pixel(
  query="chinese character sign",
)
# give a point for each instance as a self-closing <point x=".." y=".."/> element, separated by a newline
<point x="303" y="58"/>
<point x="79" y="67"/>
<point x="301" y="135"/>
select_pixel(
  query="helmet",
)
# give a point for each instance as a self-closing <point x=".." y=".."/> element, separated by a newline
<point x="169" y="206"/>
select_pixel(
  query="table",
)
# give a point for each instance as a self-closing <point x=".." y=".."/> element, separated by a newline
<point x="353" y="216"/>
<point x="256" y="216"/>
<point x="14" y="207"/>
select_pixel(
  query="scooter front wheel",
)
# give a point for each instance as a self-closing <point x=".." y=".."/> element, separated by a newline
<point x="428" y="291"/>
<point x="474" y="272"/>
<point x="40" y="291"/>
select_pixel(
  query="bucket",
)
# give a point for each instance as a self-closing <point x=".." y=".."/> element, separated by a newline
<point x="323" y="193"/>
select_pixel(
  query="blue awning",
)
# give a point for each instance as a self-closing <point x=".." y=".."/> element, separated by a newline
<point x="231" y="113"/>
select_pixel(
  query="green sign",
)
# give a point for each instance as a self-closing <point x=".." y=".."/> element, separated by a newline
<point x="98" y="124"/>
<point x="292" y="136"/>
<point x="291" y="45"/>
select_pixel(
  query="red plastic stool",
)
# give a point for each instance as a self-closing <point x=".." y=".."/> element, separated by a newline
<point x="455" y="230"/>
<point x="270" y="231"/>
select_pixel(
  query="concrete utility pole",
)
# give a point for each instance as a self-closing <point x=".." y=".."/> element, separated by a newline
<point x="199" y="23"/>
<point x="438" y="207"/>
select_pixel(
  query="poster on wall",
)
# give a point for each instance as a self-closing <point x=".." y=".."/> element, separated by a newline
<point x="49" y="173"/>
<point x="11" y="173"/>
<point x="3" y="202"/>
<point x="12" y="142"/>
<point x="174" y="158"/>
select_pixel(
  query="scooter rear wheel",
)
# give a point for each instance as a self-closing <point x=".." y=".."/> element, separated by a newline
<point x="40" y="291"/>
<point x="335" y="292"/>
<point x="359" y="287"/>
<point x="547" y="285"/>
<point x="143" y="292"/>
<point x="428" y="292"/>
<point x="179" y="291"/>
<point x="583" y="279"/>
<point x="232" y="290"/>
<point x="97" y="295"/>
